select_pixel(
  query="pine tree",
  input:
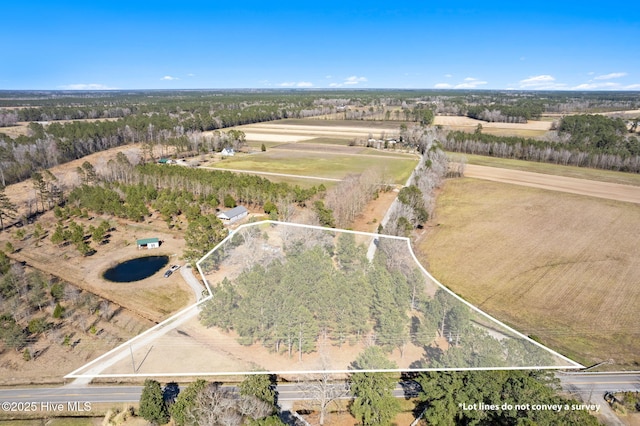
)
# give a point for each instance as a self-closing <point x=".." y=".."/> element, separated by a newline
<point x="7" y="208"/>
<point x="374" y="404"/>
<point x="260" y="386"/>
<point x="186" y="401"/>
<point x="152" y="406"/>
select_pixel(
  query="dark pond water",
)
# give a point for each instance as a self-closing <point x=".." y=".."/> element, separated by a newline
<point x="136" y="269"/>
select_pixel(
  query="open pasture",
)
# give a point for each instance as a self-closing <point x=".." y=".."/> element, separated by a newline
<point x="562" y="267"/>
<point x="320" y="162"/>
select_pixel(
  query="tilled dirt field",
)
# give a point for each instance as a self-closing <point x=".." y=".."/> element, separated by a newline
<point x="612" y="191"/>
<point x="562" y="267"/>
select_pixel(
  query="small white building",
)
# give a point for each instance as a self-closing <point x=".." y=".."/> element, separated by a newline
<point x="228" y="152"/>
<point x="233" y="215"/>
<point x="148" y="243"/>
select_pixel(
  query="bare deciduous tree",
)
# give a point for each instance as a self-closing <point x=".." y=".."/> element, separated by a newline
<point x="323" y="389"/>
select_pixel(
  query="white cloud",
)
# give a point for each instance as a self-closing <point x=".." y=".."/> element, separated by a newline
<point x="191" y="75"/>
<point x="350" y="81"/>
<point x="592" y="86"/>
<point x="610" y="76"/>
<point x="355" y="80"/>
<point x="90" y="86"/>
<point x="541" y="82"/>
<point x="632" y="87"/>
<point x="296" y="84"/>
<point x="537" y="80"/>
<point x="169" y="78"/>
<point x="470" y="83"/>
<point x="448" y="75"/>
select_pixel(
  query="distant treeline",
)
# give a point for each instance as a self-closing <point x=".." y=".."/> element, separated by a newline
<point x="584" y="140"/>
<point x="520" y="113"/>
<point x="176" y="118"/>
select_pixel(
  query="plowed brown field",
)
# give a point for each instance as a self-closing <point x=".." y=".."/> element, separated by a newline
<point x="559" y="266"/>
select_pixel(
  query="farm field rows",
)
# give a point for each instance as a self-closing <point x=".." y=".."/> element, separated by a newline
<point x="531" y="129"/>
<point x="609" y="190"/>
<point x="551" y="169"/>
<point x="558" y="266"/>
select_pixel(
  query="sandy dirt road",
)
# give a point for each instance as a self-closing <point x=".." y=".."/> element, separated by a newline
<point x="612" y="191"/>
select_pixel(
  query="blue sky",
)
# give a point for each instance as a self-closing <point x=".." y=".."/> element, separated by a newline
<point x="565" y="45"/>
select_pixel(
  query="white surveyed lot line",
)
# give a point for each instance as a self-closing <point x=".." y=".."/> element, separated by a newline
<point x="96" y="367"/>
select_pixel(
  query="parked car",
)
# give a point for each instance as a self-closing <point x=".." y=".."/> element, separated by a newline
<point x="168" y="273"/>
<point x="174" y="268"/>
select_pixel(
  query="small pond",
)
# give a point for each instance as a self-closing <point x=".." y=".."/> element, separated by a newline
<point x="136" y="269"/>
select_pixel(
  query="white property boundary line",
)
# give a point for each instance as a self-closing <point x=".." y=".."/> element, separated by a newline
<point x="76" y="373"/>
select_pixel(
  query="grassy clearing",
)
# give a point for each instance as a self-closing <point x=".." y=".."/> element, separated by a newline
<point x="335" y="166"/>
<point x="552" y="169"/>
<point x="258" y="144"/>
<point x="328" y="141"/>
<point x="562" y="267"/>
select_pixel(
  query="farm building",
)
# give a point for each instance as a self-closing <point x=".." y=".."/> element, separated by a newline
<point x="148" y="243"/>
<point x="228" y="152"/>
<point x="233" y="215"/>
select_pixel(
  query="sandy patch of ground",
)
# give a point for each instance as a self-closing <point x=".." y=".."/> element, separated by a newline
<point x="372" y="214"/>
<point x="609" y="190"/>
<point x="195" y="349"/>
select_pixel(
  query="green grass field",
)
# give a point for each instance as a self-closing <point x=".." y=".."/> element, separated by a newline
<point x="328" y="141"/>
<point x="559" y="266"/>
<point x="552" y="169"/>
<point x="327" y="165"/>
<point x="258" y="144"/>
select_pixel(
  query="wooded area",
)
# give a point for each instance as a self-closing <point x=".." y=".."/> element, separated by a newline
<point x="321" y="288"/>
<point x="582" y="140"/>
<point x="176" y="120"/>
